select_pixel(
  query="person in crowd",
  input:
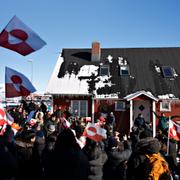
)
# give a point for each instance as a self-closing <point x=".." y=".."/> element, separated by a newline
<point x="111" y="120"/>
<point x="134" y="137"/>
<point x="31" y="106"/>
<point x="170" y="154"/>
<point x="67" y="113"/>
<point x="163" y="123"/>
<point x="96" y="158"/>
<point x="47" y="156"/>
<point x="140" y="122"/>
<point x="50" y="121"/>
<point x="17" y="114"/>
<point x="9" y="139"/>
<point x="8" y="163"/>
<point x="118" y="155"/>
<point x="50" y="130"/>
<point x="24" y="150"/>
<point x="43" y="107"/>
<point x="69" y="161"/>
<point x="58" y="112"/>
<point x="39" y="143"/>
<point x="146" y="161"/>
<point x="40" y="118"/>
<point x="78" y="131"/>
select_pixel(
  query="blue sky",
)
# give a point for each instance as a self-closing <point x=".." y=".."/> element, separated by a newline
<point x="77" y="23"/>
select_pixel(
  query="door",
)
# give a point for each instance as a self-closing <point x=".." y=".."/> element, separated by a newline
<point x="143" y="107"/>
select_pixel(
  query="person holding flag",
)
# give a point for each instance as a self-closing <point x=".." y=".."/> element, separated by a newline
<point x="163" y="123"/>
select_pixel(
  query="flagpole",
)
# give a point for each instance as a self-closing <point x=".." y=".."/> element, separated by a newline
<point x="30" y="61"/>
<point x="168" y="139"/>
<point x="92" y="109"/>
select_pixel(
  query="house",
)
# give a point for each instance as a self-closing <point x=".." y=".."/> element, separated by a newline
<point x="127" y="81"/>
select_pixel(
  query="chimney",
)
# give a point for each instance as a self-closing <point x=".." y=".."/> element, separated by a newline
<point x="96" y="52"/>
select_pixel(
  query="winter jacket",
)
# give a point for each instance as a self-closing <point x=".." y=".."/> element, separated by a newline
<point x="96" y="165"/>
<point x="115" y="167"/>
<point x="8" y="164"/>
<point x="26" y="160"/>
<point x="136" y="163"/>
<point x="69" y="161"/>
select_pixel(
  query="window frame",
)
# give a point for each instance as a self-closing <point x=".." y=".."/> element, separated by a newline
<point x="101" y="67"/>
<point x="120" y="109"/>
<point x="79" y="107"/>
<point x="124" y="66"/>
<point x="162" y="109"/>
<point x="164" y="74"/>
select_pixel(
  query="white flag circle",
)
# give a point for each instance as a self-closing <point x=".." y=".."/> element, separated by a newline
<point x="174" y="132"/>
<point x="91" y="131"/>
<point x="17" y="36"/>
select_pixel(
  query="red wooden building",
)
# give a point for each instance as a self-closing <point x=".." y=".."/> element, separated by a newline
<point x="126" y="81"/>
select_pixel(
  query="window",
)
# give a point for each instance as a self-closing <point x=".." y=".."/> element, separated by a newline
<point x="119" y="106"/>
<point x="124" y="70"/>
<point x="79" y="108"/>
<point x="168" y="72"/>
<point x="104" y="71"/>
<point x="165" y="106"/>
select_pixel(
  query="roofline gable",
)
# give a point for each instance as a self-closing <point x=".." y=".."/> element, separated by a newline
<point x="139" y="93"/>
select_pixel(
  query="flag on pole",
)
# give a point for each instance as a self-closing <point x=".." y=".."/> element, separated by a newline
<point x="17" y="84"/>
<point x="18" y="37"/>
<point x="30" y="120"/>
<point x="174" y="130"/>
<point x="94" y="132"/>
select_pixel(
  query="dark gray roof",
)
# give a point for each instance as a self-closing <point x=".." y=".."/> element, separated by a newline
<point x="142" y="62"/>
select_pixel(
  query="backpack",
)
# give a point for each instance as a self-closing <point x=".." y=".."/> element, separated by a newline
<point x="156" y="167"/>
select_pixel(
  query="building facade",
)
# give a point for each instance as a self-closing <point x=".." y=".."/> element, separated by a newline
<point x="126" y="81"/>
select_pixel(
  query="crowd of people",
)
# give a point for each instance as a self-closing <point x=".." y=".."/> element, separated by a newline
<point x="53" y="148"/>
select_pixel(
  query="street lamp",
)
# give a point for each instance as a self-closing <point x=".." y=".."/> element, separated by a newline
<point x="30" y="61"/>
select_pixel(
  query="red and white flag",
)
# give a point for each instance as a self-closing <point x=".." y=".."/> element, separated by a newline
<point x="32" y="122"/>
<point x="17" y="84"/>
<point x="20" y="38"/>
<point x="94" y="132"/>
<point x="174" y="130"/>
<point x="6" y="119"/>
<point x="2" y="121"/>
<point x="66" y="124"/>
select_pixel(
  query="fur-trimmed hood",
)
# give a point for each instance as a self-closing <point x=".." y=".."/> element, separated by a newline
<point x="148" y="145"/>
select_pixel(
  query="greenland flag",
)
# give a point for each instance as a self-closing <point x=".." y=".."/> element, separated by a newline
<point x="174" y="130"/>
<point x="94" y="132"/>
<point x="7" y="119"/>
<point x="17" y="84"/>
<point x="20" y="38"/>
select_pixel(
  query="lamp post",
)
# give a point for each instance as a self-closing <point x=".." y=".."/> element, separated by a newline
<point x="30" y="61"/>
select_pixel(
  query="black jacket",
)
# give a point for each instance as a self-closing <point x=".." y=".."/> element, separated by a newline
<point x="115" y="167"/>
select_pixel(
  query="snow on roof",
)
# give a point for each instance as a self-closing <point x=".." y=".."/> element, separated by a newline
<point x="110" y="58"/>
<point x="103" y="80"/>
<point x="167" y="96"/>
<point x="157" y="69"/>
<point x="70" y="84"/>
<point x="139" y="93"/>
<point x="88" y="70"/>
<point x="122" y="61"/>
<point x="110" y="96"/>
